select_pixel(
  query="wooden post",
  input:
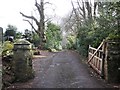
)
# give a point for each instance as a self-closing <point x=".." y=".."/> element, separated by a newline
<point x="88" y="52"/>
<point x="103" y="60"/>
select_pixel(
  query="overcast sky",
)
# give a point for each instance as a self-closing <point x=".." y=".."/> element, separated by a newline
<point x="9" y="11"/>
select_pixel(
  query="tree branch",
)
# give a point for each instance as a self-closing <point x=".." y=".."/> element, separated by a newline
<point x="74" y="10"/>
<point x="69" y="17"/>
<point x="47" y="3"/>
<point x="31" y="25"/>
<point x="79" y="5"/>
<point x="95" y="6"/>
<point x="47" y="20"/>
<point x="30" y="17"/>
<point x="89" y="9"/>
<point x="38" y="8"/>
<point x="80" y="9"/>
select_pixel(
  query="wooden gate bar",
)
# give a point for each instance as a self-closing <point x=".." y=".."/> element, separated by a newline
<point x="96" y="51"/>
<point x="95" y="58"/>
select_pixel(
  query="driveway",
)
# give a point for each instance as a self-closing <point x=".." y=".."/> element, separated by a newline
<point x="65" y="69"/>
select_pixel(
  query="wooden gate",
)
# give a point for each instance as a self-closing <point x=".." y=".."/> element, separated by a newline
<point x="96" y="58"/>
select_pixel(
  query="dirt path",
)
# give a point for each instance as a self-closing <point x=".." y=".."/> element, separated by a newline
<point x="61" y="70"/>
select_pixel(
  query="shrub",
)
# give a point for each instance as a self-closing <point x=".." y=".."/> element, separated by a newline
<point x="7" y="48"/>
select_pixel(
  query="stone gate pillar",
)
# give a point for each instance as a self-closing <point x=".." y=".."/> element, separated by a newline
<point x="112" y="61"/>
<point x="22" y="61"/>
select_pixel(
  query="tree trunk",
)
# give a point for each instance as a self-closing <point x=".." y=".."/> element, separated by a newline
<point x="42" y="26"/>
<point x="40" y="23"/>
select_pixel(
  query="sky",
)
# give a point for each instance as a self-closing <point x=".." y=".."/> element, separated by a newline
<point x="9" y="11"/>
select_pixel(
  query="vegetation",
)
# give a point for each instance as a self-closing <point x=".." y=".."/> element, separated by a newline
<point x="71" y="42"/>
<point x="10" y="32"/>
<point x="7" y="48"/>
<point x="53" y="37"/>
<point x="92" y="24"/>
<point x="35" y="39"/>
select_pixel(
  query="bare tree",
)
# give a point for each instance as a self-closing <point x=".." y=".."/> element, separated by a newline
<point x="39" y="23"/>
<point x="80" y="15"/>
<point x="70" y="23"/>
<point x="86" y="9"/>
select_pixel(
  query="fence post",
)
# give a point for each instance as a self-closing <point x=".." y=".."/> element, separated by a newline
<point x="88" y="52"/>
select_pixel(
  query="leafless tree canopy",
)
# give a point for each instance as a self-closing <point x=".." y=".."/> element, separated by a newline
<point x="85" y="10"/>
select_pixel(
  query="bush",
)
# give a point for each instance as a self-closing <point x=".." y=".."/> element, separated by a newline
<point x="7" y="48"/>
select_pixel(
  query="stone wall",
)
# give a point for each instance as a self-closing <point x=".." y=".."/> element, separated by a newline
<point x="112" y="61"/>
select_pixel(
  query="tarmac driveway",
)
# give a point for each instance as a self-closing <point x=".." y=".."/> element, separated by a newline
<point x="65" y="69"/>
